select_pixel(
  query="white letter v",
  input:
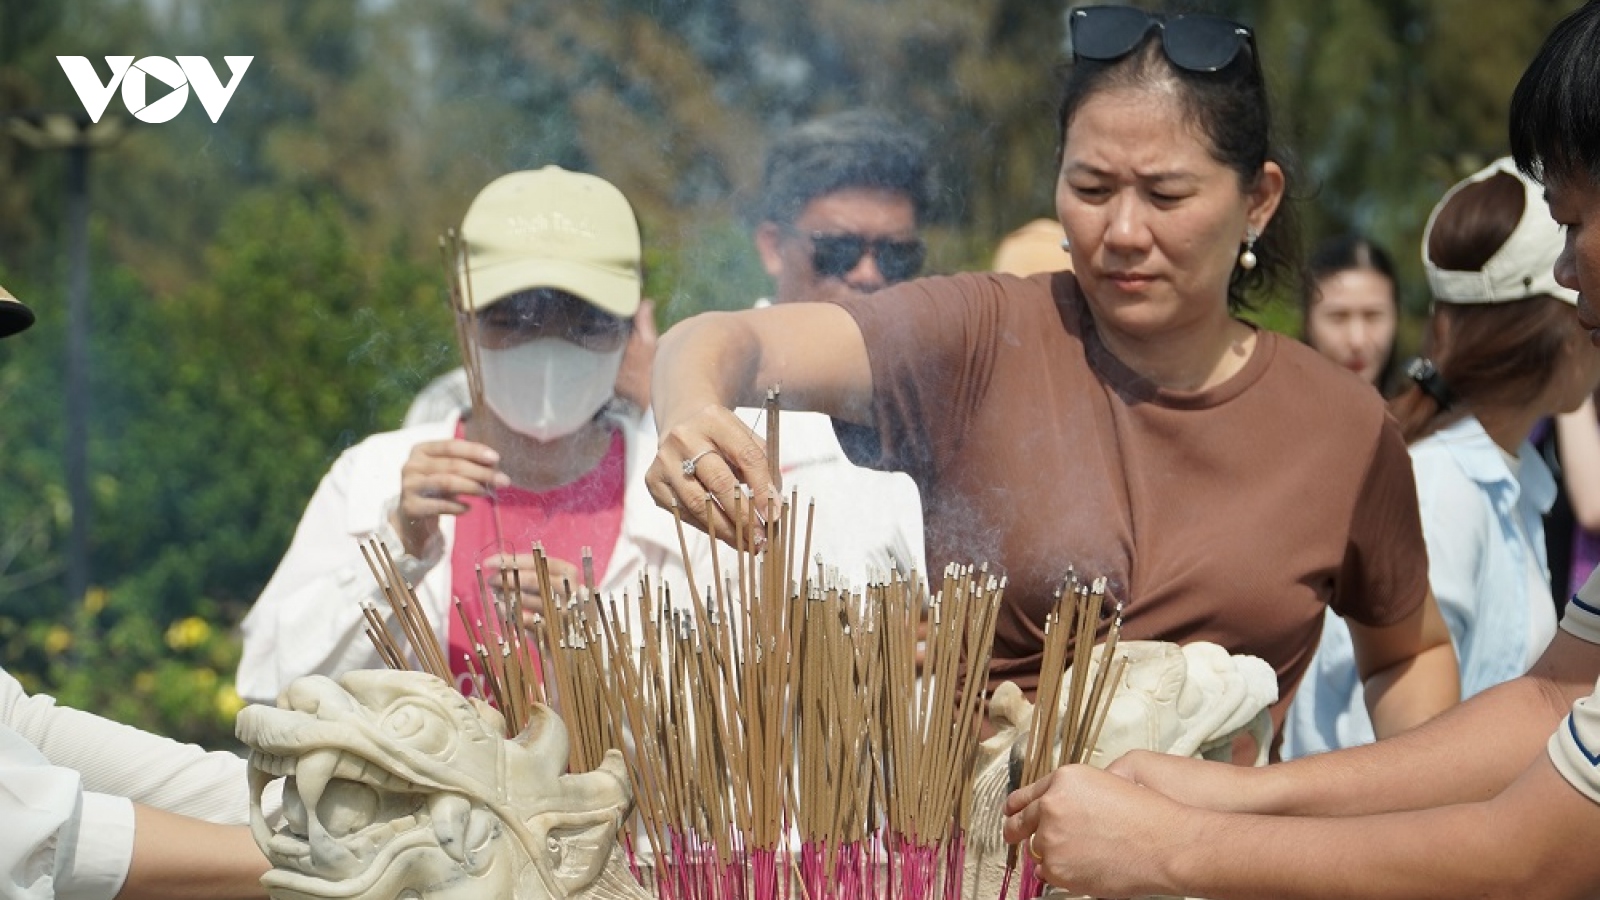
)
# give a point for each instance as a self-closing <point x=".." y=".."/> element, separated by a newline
<point x="94" y="95"/>
<point x="214" y="96"/>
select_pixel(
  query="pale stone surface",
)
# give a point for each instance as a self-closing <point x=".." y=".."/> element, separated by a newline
<point x="397" y="786"/>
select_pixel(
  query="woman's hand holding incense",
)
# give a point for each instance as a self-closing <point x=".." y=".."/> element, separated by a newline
<point x="432" y="481"/>
<point x="1095" y="833"/>
<point x="713" y="470"/>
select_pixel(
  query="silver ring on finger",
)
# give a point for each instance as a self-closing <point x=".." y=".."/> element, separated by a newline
<point x="689" y="464"/>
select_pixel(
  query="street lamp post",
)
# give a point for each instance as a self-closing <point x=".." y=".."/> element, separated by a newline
<point x="78" y="136"/>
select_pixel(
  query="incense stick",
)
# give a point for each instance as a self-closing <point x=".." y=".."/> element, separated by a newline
<point x="1067" y="735"/>
<point x="458" y="277"/>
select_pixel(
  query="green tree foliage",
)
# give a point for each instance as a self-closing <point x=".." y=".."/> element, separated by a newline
<point x="242" y="363"/>
<point x="1385" y="104"/>
<point x="266" y="288"/>
<point x="215" y="414"/>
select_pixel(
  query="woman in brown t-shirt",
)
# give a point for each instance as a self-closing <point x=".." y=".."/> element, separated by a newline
<point x="1231" y="484"/>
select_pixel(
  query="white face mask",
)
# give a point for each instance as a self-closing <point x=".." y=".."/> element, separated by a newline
<point x="547" y="388"/>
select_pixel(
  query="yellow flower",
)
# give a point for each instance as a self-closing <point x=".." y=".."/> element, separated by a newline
<point x="186" y="633"/>
<point x="94" y="600"/>
<point x="229" y="702"/>
<point x="57" y="639"/>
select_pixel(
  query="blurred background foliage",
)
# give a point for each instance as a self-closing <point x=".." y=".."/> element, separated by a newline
<point x="265" y="289"/>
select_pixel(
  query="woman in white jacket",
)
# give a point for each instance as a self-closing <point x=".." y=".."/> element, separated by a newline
<point x="553" y="271"/>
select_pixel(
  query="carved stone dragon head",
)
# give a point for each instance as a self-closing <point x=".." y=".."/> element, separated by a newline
<point x="397" y="787"/>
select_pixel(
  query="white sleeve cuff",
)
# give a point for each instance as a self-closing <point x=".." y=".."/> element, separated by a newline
<point x="105" y="849"/>
<point x="413" y="569"/>
<point x="1582" y="618"/>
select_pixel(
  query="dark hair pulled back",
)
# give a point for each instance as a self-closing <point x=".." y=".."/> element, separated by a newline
<point x="1502" y="354"/>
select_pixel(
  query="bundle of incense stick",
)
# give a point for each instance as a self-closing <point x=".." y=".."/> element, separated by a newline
<point x="500" y="658"/>
<point x="838" y="700"/>
<point x="569" y="646"/>
<point x="783" y="741"/>
<point x="786" y="731"/>
<point x="453" y="251"/>
<point x="502" y="661"/>
<point x="929" y="726"/>
<point x="458" y="279"/>
<point x="1063" y="735"/>
<point x="408" y="614"/>
<point x="774" y="464"/>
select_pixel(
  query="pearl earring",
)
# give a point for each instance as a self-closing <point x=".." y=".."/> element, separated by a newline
<point x="1247" y="259"/>
<point x="1066" y="246"/>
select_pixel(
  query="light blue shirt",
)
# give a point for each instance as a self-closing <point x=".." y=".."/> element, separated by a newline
<point x="1481" y="522"/>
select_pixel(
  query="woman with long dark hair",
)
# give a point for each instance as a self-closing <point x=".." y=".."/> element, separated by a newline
<point x="1350" y="307"/>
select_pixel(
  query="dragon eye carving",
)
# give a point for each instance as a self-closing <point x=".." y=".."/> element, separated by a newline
<point x="419" y="728"/>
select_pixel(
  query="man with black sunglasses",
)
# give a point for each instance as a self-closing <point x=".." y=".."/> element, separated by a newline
<point x="842" y="199"/>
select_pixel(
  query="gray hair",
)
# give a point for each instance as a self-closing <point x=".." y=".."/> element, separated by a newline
<point x="853" y="149"/>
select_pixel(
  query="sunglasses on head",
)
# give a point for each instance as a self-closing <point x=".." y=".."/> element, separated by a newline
<point x="1194" y="43"/>
<point x="835" y="255"/>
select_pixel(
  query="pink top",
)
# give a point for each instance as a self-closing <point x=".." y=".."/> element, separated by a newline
<point x="565" y="520"/>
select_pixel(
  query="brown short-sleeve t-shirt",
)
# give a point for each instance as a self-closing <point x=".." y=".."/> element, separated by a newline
<point x="1233" y="515"/>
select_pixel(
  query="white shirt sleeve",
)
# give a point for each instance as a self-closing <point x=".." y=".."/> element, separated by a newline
<point x="308" y="619"/>
<point x="112" y="758"/>
<point x="1575" y="747"/>
<point x="1582" y="618"/>
<point x="57" y="841"/>
<point x="104" y="851"/>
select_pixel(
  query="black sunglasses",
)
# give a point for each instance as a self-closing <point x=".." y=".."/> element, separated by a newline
<point x="1195" y="43"/>
<point x="834" y="255"/>
<point x="555" y="313"/>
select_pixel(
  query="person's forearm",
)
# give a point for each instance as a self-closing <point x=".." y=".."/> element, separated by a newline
<point x="1409" y="693"/>
<point x="176" y="858"/>
<point x="1457" y="851"/>
<point x="813" y="351"/>
<point x="1468" y="753"/>
<point x="710" y="359"/>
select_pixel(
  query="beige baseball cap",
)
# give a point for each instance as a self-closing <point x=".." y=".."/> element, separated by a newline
<point x="1523" y="267"/>
<point x="14" y="316"/>
<point x="553" y="228"/>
